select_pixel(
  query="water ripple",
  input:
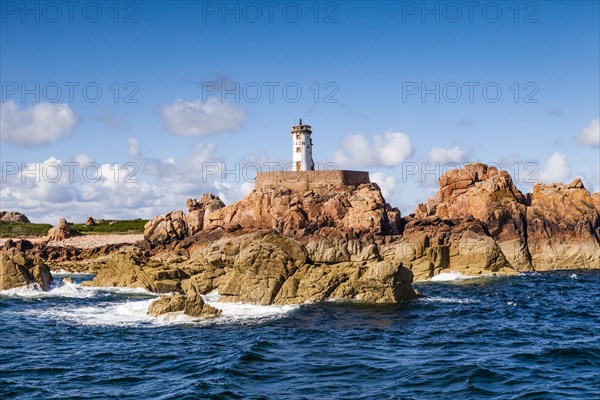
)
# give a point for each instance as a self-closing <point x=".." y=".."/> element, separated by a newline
<point x="530" y="336"/>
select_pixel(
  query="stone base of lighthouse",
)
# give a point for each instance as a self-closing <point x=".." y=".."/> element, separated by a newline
<point x="308" y="180"/>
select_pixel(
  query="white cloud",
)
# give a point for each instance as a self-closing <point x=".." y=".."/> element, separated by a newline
<point x="83" y="159"/>
<point x="590" y="136"/>
<point x="454" y="154"/>
<point x="134" y="147"/>
<point x="556" y="170"/>
<point x="387" y="150"/>
<point x="387" y="183"/>
<point x="39" y="124"/>
<point x="194" y="118"/>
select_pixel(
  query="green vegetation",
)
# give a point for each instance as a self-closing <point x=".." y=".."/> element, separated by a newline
<point x="112" y="226"/>
<point x="16" y="229"/>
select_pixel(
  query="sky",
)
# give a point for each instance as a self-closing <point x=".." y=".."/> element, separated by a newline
<point x="126" y="109"/>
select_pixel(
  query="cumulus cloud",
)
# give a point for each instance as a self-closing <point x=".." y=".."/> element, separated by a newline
<point x="387" y="183"/>
<point x="141" y="188"/>
<point x="39" y="124"/>
<point x="195" y="118"/>
<point x="454" y="154"/>
<point x="590" y="136"/>
<point x="83" y="159"/>
<point x="387" y="150"/>
<point x="556" y="169"/>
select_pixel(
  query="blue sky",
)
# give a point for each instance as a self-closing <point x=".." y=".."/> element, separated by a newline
<point x="365" y="56"/>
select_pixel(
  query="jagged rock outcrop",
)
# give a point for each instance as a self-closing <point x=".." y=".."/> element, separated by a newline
<point x="489" y="195"/>
<point x="268" y="268"/>
<point x="17" y="269"/>
<point x="131" y="267"/>
<point x="335" y="223"/>
<point x="176" y="225"/>
<point x="61" y="231"/>
<point x="360" y="210"/>
<point x="556" y="227"/>
<point x="197" y="209"/>
<point x="563" y="227"/>
<point x="13" y="216"/>
<point x="258" y="268"/>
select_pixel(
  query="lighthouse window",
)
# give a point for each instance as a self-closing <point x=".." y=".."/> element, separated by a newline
<point x="298" y="149"/>
<point x="297" y="136"/>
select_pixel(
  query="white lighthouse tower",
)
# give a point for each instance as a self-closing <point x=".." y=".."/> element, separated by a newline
<point x="302" y="148"/>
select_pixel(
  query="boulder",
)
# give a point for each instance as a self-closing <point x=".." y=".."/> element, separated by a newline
<point x="13" y="216"/>
<point x="191" y="304"/>
<point x="18" y="270"/>
<point x="166" y="228"/>
<point x="62" y="231"/>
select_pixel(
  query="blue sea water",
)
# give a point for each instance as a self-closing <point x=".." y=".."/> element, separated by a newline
<point x="532" y="336"/>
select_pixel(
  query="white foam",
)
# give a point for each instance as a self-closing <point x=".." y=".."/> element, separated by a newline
<point x="450" y="276"/>
<point x="61" y="288"/>
<point x="130" y="313"/>
<point x="62" y="273"/>
<point x="241" y="312"/>
<point x="573" y="276"/>
<point x="135" y="312"/>
<point x="455" y="300"/>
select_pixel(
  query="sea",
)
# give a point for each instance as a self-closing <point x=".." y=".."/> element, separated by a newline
<point x="530" y="336"/>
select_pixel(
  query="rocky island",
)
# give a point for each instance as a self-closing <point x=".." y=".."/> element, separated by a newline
<point x="312" y="236"/>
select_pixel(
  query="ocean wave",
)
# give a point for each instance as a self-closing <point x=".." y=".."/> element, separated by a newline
<point x="61" y="288"/>
<point x="455" y="300"/>
<point x="62" y="273"/>
<point x="450" y="276"/>
<point x="243" y="312"/>
<point x="129" y="313"/>
<point x="135" y="312"/>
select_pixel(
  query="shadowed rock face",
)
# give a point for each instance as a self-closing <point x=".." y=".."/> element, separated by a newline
<point x="429" y="246"/>
<point x="17" y="269"/>
<point x="131" y="267"/>
<point x="555" y="227"/>
<point x="267" y="268"/>
<point x="258" y="268"/>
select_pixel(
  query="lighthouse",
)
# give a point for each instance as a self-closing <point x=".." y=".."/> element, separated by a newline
<point x="302" y="148"/>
